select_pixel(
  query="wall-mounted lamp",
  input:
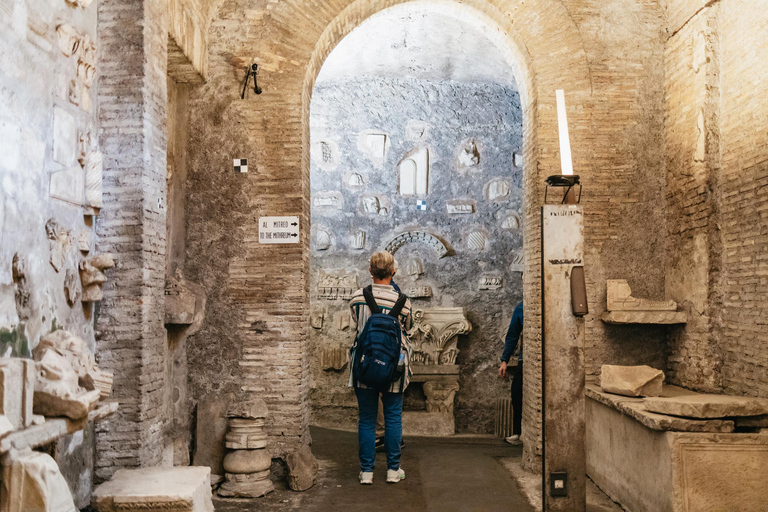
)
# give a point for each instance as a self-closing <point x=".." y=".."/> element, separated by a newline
<point x="251" y="71"/>
<point x="567" y="180"/>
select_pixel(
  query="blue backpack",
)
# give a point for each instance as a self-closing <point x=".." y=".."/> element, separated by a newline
<point x="378" y="347"/>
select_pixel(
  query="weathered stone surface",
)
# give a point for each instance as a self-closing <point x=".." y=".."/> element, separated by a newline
<point x="247" y="461"/>
<point x="440" y="396"/>
<point x="17" y="384"/>
<point x="32" y="482"/>
<point x="93" y="277"/>
<point x="435" y="333"/>
<point x="422" y="423"/>
<point x="59" y="243"/>
<point x="184" y="303"/>
<point x="246" y="434"/>
<point x="182" y="489"/>
<point x="302" y="468"/>
<point x="634" y="408"/>
<point x="251" y="409"/>
<point x="211" y="428"/>
<point x="644" y="317"/>
<point x="72" y="287"/>
<point x="21" y="288"/>
<point x="631" y="380"/>
<point x="334" y="358"/>
<point x="708" y="406"/>
<point x="57" y="392"/>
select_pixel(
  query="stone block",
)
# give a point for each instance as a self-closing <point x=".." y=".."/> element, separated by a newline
<point x="619" y="298"/>
<point x="708" y="406"/>
<point x="17" y="384"/>
<point x="302" y="468"/>
<point x="422" y="423"/>
<point x="631" y="380"/>
<point x="32" y="482"/>
<point x="180" y="489"/>
<point x="211" y="429"/>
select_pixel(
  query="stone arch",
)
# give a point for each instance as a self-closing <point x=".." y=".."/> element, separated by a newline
<point x="540" y="65"/>
<point x="290" y="40"/>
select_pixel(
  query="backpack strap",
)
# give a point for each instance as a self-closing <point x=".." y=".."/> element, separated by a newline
<point x="398" y="307"/>
<point x="368" y="294"/>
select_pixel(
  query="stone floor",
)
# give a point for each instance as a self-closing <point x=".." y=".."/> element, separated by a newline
<point x="443" y="474"/>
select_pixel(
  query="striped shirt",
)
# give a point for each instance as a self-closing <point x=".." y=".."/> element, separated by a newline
<point x="386" y="297"/>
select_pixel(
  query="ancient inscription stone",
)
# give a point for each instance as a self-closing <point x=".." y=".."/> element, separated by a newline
<point x="17" y="385"/>
<point x="631" y="380"/>
<point x="419" y="291"/>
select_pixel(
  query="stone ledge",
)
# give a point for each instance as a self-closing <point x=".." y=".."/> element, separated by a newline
<point x="645" y="317"/>
<point x="52" y="429"/>
<point x="634" y="408"/>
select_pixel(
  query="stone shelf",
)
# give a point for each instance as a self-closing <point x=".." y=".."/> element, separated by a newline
<point x="645" y="317"/>
<point x="52" y="429"/>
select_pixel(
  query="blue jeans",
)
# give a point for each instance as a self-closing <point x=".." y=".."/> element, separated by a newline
<point x="368" y="405"/>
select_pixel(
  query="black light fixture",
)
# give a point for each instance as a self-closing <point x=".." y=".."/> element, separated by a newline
<point x="252" y="70"/>
<point x="566" y="181"/>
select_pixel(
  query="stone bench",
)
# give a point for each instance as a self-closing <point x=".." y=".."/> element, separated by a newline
<point x="176" y="489"/>
<point x="653" y="462"/>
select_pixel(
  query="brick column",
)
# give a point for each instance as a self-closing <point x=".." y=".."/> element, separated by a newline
<point x="130" y="335"/>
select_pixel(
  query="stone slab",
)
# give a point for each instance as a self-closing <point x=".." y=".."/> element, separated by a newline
<point x="634" y="408"/>
<point x="178" y="489"/>
<point x="708" y="406"/>
<point x="631" y="380"/>
<point x="645" y="317"/>
<point x="422" y="423"/>
<point x="210" y="432"/>
<point x="302" y="468"/>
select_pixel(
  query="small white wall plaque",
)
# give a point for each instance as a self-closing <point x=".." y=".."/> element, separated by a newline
<point x="278" y="230"/>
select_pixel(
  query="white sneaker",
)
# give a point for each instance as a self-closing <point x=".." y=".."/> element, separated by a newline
<point x="366" y="477"/>
<point x="513" y="440"/>
<point x="395" y="475"/>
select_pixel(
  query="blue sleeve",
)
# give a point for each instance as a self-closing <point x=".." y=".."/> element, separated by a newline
<point x="513" y="333"/>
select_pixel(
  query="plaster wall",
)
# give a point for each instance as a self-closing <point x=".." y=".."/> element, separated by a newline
<point x="457" y="115"/>
<point x="44" y="109"/>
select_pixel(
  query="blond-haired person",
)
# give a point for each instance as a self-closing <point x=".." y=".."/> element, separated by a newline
<point x="382" y="269"/>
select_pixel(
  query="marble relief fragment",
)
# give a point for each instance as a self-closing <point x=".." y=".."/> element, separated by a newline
<point x="476" y="241"/>
<point x="416" y="130"/>
<point x="94" y="173"/>
<point x="518" y="263"/>
<point x="414" y="173"/>
<point x="358" y="240"/>
<point x="32" y="481"/>
<point x="59" y="243"/>
<point x="469" y="155"/>
<point x="322" y="240"/>
<point x="72" y="288"/>
<point x="69" y="39"/>
<point x="497" y="190"/>
<point x="93" y="277"/>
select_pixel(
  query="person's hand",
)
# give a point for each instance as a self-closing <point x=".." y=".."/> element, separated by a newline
<point x="503" y="370"/>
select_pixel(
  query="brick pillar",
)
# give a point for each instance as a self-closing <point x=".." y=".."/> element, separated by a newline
<point x="130" y="334"/>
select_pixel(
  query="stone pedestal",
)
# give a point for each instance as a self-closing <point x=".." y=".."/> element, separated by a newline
<point x="178" y="489"/>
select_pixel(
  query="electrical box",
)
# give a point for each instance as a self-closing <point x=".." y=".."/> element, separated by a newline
<point x="558" y="484"/>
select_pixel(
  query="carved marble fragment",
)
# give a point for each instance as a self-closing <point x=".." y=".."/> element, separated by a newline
<point x="518" y="263"/>
<point x="94" y="171"/>
<point x="334" y="358"/>
<point x="302" y="468"/>
<point x="316" y="318"/>
<point x="440" y="396"/>
<point x="21" y="289"/>
<point x="416" y="130"/>
<point x="93" y="277"/>
<point x="374" y="145"/>
<point x="491" y="282"/>
<point x="325" y="153"/>
<point x="469" y="155"/>
<point x="619" y="298"/>
<point x="418" y="291"/>
<point x="322" y="240"/>
<point x="460" y="207"/>
<point x="476" y="241"/>
<point x="341" y="320"/>
<point x="358" y="240"/>
<point x="338" y="284"/>
<point x="497" y="190"/>
<point x="414" y="173"/>
<point x="32" y="482"/>
<point x="184" y="303"/>
<point x="417" y="237"/>
<point x="17" y="385"/>
<point x="57" y="392"/>
<point x="69" y="39"/>
<point x="435" y="333"/>
<point x="72" y="288"/>
<point x="59" y="243"/>
<point x="247" y="465"/>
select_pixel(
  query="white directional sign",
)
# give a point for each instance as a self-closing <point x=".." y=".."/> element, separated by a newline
<point x="278" y="230"/>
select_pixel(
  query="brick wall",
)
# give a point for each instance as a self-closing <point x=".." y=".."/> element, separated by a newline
<point x="607" y="57"/>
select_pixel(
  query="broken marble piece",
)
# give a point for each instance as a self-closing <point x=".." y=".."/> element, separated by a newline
<point x="460" y="207"/>
<point x="518" y="263"/>
<point x="476" y="241"/>
<point x="325" y="154"/>
<point x="334" y="358"/>
<point x="251" y="409"/>
<point x="707" y="406"/>
<point x="619" y="298"/>
<point x="491" y="282"/>
<point x="184" y="303"/>
<point x="417" y="237"/>
<point x="414" y="173"/>
<point x="517" y="159"/>
<point x="338" y="284"/>
<point x="355" y="180"/>
<point x="57" y="392"/>
<point x="416" y="130"/>
<point x="21" y="289"/>
<point x="371" y="205"/>
<point x="83" y="145"/>
<point x="341" y="320"/>
<point x="511" y="221"/>
<point x="316" y="318"/>
<point x="94" y="172"/>
<point x="17" y="386"/>
<point x="85" y="240"/>
<point x="419" y="291"/>
<point x="322" y="240"/>
<point x="80" y="358"/>
<point x="69" y="39"/>
<point x="176" y="489"/>
<point x="440" y="396"/>
<point x="72" y="288"/>
<point x="631" y="380"/>
<point x="79" y="3"/>
<point x="357" y="240"/>
<point x="93" y="277"/>
<point x="302" y="468"/>
<point x="414" y="267"/>
<point x="374" y="145"/>
<point x="329" y="200"/>
<point x="497" y="190"/>
<point x="59" y="243"/>
<point x="86" y="63"/>
<point x="64" y="137"/>
<point x="32" y="482"/>
<point x="469" y="155"/>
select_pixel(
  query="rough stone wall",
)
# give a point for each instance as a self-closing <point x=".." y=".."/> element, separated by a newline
<point x="456" y="114"/>
<point x="716" y="153"/>
<point x="44" y="108"/>
<point x="607" y="55"/>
